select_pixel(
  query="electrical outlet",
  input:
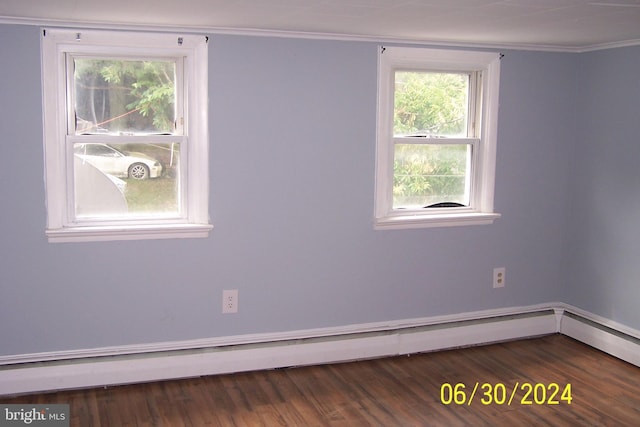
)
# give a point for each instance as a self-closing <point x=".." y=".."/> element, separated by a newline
<point x="499" y="277"/>
<point x="230" y="301"/>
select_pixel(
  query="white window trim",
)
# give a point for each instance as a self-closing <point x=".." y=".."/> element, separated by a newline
<point x="55" y="43"/>
<point x="481" y="210"/>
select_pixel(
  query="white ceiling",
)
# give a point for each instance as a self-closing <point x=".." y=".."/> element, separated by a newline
<point x="543" y="24"/>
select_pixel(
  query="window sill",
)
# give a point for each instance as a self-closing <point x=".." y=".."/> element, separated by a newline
<point x="138" y="232"/>
<point x="434" y="220"/>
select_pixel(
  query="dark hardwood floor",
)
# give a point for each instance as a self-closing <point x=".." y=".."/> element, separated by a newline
<point x="397" y="391"/>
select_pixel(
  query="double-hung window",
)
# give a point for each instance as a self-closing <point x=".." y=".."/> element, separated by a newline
<point x="125" y="135"/>
<point x="436" y="137"/>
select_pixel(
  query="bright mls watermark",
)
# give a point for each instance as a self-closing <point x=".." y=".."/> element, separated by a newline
<point x="34" y="415"/>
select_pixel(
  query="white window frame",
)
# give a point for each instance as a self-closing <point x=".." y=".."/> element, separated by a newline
<point x="57" y="45"/>
<point x="482" y="173"/>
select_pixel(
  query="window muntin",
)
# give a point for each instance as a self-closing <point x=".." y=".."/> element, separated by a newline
<point x="126" y="137"/>
<point x="436" y="137"/>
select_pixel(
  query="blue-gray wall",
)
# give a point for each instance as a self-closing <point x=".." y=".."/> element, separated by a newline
<point x="604" y="244"/>
<point x="292" y="126"/>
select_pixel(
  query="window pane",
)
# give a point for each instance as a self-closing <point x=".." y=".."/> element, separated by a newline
<point x="424" y="175"/>
<point x="124" y="96"/>
<point x="431" y="104"/>
<point x="127" y="180"/>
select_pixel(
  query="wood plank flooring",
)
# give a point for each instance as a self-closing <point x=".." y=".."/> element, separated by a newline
<point x="397" y="391"/>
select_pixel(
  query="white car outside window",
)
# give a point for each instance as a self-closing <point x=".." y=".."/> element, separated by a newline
<point x="141" y="99"/>
<point x="119" y="163"/>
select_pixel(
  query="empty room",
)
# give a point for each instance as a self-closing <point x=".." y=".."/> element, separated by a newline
<point x="320" y="212"/>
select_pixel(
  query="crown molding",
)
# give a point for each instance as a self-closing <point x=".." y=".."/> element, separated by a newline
<point x="311" y="35"/>
<point x="611" y="45"/>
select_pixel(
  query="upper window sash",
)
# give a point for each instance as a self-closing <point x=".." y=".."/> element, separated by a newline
<point x="73" y="117"/>
<point x="472" y="105"/>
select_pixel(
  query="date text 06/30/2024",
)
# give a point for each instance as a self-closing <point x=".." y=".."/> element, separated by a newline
<point x="500" y="394"/>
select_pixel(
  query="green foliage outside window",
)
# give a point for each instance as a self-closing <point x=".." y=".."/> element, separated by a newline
<point x="126" y="95"/>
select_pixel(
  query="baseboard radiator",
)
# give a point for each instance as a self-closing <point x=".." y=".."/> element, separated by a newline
<point x="23" y="374"/>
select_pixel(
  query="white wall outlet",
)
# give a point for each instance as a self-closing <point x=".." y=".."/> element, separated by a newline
<point x="229" y="301"/>
<point x="499" y="277"/>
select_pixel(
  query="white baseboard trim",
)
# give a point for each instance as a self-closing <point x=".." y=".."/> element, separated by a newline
<point x="23" y="374"/>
